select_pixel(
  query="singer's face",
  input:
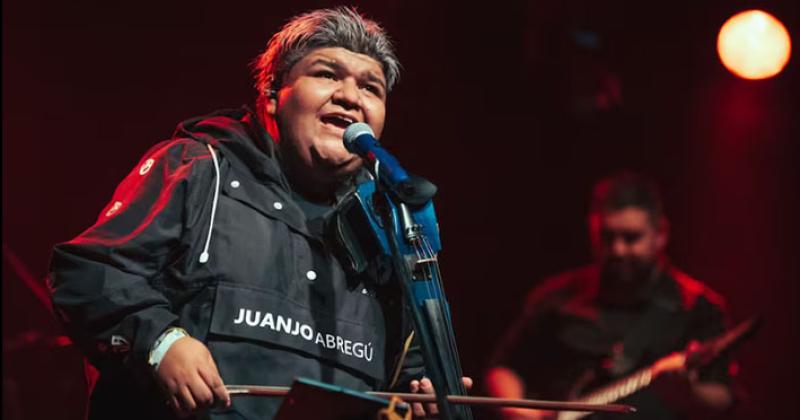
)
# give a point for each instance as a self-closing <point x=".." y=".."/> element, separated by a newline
<point x="322" y="94"/>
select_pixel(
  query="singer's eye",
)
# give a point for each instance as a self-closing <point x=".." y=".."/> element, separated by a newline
<point x="325" y="74"/>
<point x="375" y="90"/>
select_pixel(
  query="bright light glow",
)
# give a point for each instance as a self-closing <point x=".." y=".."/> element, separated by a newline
<point x="754" y="45"/>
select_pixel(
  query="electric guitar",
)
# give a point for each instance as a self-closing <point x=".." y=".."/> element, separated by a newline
<point x="696" y="355"/>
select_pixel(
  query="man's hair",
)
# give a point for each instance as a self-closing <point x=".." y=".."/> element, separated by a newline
<point x="337" y="27"/>
<point x="627" y="189"/>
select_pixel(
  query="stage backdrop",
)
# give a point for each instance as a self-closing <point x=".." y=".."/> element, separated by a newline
<point x="513" y="109"/>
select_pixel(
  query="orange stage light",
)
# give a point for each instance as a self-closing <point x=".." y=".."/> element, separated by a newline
<point x="754" y="45"/>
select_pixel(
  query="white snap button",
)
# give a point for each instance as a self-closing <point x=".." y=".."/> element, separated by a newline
<point x="117" y="205"/>
<point x="235" y="184"/>
<point x="311" y="275"/>
<point x="364" y="291"/>
<point x="146" y="166"/>
<point x="278" y="205"/>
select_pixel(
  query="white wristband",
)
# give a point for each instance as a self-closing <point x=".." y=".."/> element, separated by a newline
<point x="163" y="343"/>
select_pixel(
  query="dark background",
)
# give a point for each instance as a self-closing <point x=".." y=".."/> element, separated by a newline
<point x="513" y="109"/>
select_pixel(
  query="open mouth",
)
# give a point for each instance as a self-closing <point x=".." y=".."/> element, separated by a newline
<point x="340" y="121"/>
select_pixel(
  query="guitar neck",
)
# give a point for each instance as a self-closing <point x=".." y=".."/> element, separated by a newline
<point x="702" y="354"/>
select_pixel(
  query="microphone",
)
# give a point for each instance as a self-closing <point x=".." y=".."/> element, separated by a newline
<point x="360" y="140"/>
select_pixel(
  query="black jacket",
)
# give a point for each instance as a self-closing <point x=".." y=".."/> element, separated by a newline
<point x="216" y="243"/>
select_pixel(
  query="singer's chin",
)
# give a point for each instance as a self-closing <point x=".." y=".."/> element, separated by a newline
<point x="333" y="158"/>
<point x="345" y="169"/>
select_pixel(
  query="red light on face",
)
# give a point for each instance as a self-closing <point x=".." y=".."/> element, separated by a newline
<point x="754" y="45"/>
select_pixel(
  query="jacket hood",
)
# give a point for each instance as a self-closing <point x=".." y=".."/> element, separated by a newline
<point x="238" y="132"/>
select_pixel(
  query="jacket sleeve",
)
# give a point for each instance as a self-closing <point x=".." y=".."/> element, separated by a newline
<point x="102" y="281"/>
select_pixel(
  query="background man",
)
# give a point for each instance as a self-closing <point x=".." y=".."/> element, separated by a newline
<point x="627" y="310"/>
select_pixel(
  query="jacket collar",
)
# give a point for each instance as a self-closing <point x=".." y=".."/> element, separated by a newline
<point x="242" y="138"/>
<point x="239" y="133"/>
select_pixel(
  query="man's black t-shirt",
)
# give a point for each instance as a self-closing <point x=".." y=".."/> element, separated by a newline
<point x="570" y="338"/>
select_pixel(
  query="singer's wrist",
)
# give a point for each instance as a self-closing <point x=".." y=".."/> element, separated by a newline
<point x="162" y="345"/>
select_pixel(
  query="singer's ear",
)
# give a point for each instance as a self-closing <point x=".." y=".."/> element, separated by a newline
<point x="272" y="101"/>
<point x="272" y="106"/>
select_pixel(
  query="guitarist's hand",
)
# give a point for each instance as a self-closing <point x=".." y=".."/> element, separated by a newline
<point x="674" y="363"/>
<point x="681" y="387"/>
<point x="672" y="380"/>
<point x="684" y="391"/>
<point x="502" y="382"/>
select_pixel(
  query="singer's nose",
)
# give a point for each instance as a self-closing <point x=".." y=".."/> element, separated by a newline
<point x="348" y="94"/>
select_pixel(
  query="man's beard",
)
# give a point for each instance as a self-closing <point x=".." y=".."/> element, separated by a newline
<point x="629" y="273"/>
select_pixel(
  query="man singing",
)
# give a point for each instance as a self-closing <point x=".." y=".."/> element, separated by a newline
<point x="211" y="263"/>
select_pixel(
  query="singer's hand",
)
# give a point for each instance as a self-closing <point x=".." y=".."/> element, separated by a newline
<point x="189" y="377"/>
<point x="425" y="386"/>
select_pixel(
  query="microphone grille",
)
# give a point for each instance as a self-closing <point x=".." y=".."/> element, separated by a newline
<point x="356" y="129"/>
